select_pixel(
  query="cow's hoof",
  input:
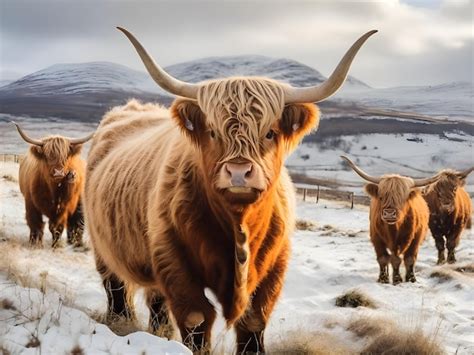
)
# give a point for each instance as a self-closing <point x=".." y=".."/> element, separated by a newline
<point x="397" y="279"/>
<point x="451" y="258"/>
<point x="383" y="279"/>
<point x="441" y="261"/>
<point x="410" y="278"/>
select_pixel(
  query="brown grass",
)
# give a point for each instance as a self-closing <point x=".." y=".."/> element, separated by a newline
<point x="354" y="299"/>
<point x="442" y="275"/>
<point x="305" y="225"/>
<point x="122" y="326"/>
<point x="469" y="268"/>
<point x="77" y="350"/>
<point x="306" y="343"/>
<point x="386" y="337"/>
<point x="7" y="304"/>
<point x="33" y="342"/>
<point x="399" y="342"/>
<point x="9" y="177"/>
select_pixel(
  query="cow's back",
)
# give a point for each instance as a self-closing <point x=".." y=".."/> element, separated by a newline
<point x="127" y="155"/>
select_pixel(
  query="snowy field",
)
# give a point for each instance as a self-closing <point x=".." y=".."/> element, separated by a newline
<point x="52" y="302"/>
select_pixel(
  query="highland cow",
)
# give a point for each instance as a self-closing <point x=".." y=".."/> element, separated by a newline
<point x="398" y="221"/>
<point x="450" y="211"/>
<point x="51" y="180"/>
<point x="197" y="197"/>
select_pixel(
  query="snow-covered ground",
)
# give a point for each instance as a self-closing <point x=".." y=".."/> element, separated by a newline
<point x="53" y="300"/>
<point x="415" y="155"/>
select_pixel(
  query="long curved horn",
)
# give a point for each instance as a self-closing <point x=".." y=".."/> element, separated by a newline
<point x="425" y="181"/>
<point x="162" y="78"/>
<point x="82" y="140"/>
<point x="26" y="138"/>
<point x="360" y="172"/>
<point x="465" y="173"/>
<point x="333" y="83"/>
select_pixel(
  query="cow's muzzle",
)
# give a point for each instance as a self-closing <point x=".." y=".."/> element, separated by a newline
<point x="389" y="215"/>
<point x="58" y="173"/>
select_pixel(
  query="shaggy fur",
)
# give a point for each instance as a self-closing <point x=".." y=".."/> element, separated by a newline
<point x="405" y="235"/>
<point x="450" y="212"/>
<point x="158" y="219"/>
<point x="58" y="198"/>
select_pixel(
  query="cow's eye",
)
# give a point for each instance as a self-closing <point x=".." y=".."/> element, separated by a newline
<point x="270" y="134"/>
<point x="213" y="135"/>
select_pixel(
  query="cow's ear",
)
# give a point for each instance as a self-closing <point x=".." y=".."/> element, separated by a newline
<point x="372" y="190"/>
<point x="189" y="117"/>
<point x="298" y="120"/>
<point x="75" y="149"/>
<point x="413" y="192"/>
<point x="37" y="151"/>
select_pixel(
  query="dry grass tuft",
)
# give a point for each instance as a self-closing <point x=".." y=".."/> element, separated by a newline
<point x="304" y="343"/>
<point x="368" y="326"/>
<point x="442" y="275"/>
<point x="469" y="268"/>
<point x="388" y="338"/>
<point x="304" y="225"/>
<point x="355" y="298"/>
<point x="9" y="177"/>
<point x="7" y="304"/>
<point x="33" y="343"/>
<point x="122" y="326"/>
<point x="77" y="350"/>
<point x="398" y="342"/>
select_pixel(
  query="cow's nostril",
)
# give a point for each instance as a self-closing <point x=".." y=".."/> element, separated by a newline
<point x="249" y="172"/>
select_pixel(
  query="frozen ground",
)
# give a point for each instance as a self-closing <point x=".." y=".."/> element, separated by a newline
<point x="415" y="155"/>
<point x="50" y="300"/>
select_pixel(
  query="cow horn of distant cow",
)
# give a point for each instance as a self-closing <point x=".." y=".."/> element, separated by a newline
<point x="162" y="78"/>
<point x="26" y="138"/>
<point x="82" y="140"/>
<point x="360" y="172"/>
<point x="333" y="83"/>
<point x="426" y="181"/>
<point x="465" y="173"/>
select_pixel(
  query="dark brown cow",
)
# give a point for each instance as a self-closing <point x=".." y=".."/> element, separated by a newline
<point x="197" y="197"/>
<point x="398" y="221"/>
<point x="51" y="180"/>
<point x="450" y="211"/>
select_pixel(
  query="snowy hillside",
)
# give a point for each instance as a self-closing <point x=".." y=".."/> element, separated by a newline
<point x="452" y="100"/>
<point x="53" y="301"/>
<point x="81" y="78"/>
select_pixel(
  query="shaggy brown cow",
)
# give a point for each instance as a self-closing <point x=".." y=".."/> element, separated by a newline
<point x="51" y="180"/>
<point x="398" y="221"/>
<point x="450" y="211"/>
<point x="197" y="197"/>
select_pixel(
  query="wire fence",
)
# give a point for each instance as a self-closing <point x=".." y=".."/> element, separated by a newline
<point x="309" y="193"/>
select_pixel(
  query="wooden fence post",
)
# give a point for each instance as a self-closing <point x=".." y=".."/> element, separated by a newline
<point x="352" y="200"/>
<point x="304" y="194"/>
<point x="317" y="195"/>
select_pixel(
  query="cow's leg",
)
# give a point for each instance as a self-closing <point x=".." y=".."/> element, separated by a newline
<point x="383" y="259"/>
<point x="115" y="291"/>
<point x="34" y="219"/>
<point x="452" y="241"/>
<point x="75" y="226"/>
<point x="184" y="292"/>
<point x="250" y="328"/>
<point x="409" y="259"/>
<point x="159" y="322"/>
<point x="440" y="245"/>
<point x="56" y="228"/>
<point x="396" y="261"/>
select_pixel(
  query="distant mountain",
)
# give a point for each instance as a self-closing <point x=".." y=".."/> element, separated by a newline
<point x="452" y="100"/>
<point x="85" y="91"/>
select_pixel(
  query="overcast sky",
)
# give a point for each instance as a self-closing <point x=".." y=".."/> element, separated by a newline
<point x="419" y="42"/>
